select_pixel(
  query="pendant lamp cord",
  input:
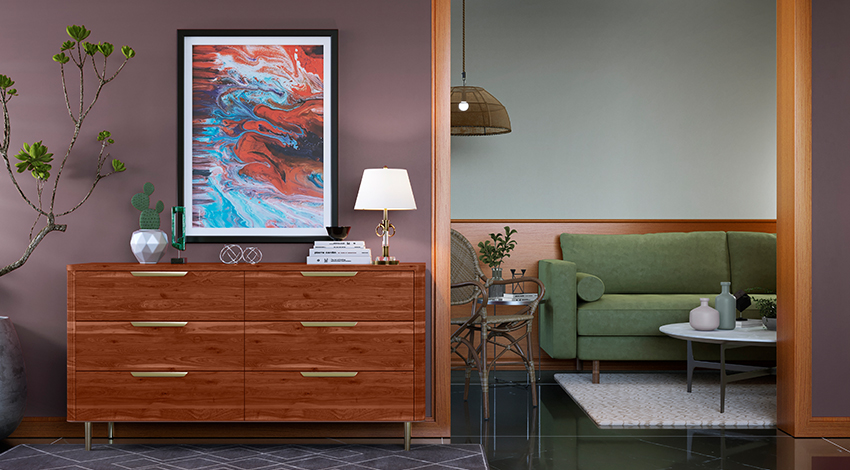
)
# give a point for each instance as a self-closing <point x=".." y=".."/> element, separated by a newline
<point x="463" y="75"/>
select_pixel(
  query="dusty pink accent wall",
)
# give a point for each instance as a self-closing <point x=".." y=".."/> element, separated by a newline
<point x="384" y="119"/>
<point x="830" y="198"/>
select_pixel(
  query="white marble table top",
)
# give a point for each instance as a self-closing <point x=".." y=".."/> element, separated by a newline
<point x="758" y="334"/>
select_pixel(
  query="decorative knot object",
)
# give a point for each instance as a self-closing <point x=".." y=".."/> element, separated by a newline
<point x="232" y="254"/>
<point x="252" y="254"/>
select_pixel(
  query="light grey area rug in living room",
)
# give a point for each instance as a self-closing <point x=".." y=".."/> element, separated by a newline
<point x="662" y="400"/>
<point x="242" y="457"/>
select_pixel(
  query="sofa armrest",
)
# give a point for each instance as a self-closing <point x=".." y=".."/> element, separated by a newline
<point x="558" y="309"/>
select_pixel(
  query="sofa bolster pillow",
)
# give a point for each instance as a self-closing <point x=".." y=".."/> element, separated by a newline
<point x="589" y="287"/>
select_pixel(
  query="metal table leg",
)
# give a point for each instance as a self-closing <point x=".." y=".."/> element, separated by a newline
<point x="88" y="435"/>
<point x="407" y="432"/>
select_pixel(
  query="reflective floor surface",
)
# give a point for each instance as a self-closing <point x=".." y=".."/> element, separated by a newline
<point x="558" y="435"/>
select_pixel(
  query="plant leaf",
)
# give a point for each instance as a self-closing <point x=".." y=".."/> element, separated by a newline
<point x="77" y="32"/>
<point x="6" y="82"/>
<point x="103" y="135"/>
<point x="106" y="48"/>
<point x="91" y="49"/>
<point x="128" y="52"/>
<point x="118" y="165"/>
<point x="61" y="58"/>
<point x="68" y="45"/>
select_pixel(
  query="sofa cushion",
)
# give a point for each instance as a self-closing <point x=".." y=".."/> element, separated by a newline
<point x="635" y="314"/>
<point x="652" y="263"/>
<point x="589" y="287"/>
<point x="752" y="259"/>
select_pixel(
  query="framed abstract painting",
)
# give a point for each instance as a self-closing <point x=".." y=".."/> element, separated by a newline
<point x="257" y="134"/>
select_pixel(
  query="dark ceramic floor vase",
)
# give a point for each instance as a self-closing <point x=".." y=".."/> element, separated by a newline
<point x="13" y="379"/>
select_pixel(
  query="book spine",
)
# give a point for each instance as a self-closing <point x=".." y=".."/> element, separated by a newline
<point x="329" y="252"/>
<point x="340" y="244"/>
<point x="339" y="260"/>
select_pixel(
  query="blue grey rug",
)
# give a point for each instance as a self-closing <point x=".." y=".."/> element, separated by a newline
<point x="243" y="457"/>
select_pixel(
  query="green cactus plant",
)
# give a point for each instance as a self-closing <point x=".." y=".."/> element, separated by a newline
<point x="149" y="219"/>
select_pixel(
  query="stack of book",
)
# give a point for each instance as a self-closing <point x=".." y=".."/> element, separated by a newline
<point x="518" y="297"/>
<point x="339" y="252"/>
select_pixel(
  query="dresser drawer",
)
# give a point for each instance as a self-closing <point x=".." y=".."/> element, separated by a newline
<point x="310" y="346"/>
<point x="197" y="295"/>
<point x="154" y="346"/>
<point x="198" y="396"/>
<point x="290" y="396"/>
<point x="321" y="295"/>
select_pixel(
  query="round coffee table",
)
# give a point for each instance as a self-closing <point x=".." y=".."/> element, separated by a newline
<point x="727" y="339"/>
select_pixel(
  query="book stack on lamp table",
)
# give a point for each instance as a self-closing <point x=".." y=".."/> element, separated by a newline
<point x="339" y="252"/>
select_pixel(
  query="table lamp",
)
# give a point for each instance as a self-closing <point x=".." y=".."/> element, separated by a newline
<point x="385" y="189"/>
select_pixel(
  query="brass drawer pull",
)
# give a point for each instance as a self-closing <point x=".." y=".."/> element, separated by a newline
<point x="328" y="374"/>
<point x="156" y="324"/>
<point x="329" y="273"/>
<point x="159" y="374"/>
<point x="328" y="323"/>
<point x="159" y="273"/>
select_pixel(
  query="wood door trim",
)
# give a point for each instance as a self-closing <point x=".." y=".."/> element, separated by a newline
<point x="440" y="214"/>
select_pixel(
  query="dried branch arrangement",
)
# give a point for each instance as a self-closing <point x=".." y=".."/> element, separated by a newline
<point x="36" y="158"/>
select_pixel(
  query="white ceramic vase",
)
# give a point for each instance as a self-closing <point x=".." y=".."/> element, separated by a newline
<point x="704" y="318"/>
<point x="148" y="245"/>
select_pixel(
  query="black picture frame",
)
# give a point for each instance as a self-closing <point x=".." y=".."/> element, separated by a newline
<point x="257" y="134"/>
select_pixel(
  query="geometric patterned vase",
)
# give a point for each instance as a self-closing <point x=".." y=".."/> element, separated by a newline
<point x="148" y="245"/>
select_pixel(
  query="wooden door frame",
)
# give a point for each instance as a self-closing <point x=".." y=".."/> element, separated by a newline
<point x="794" y="225"/>
<point x="441" y="40"/>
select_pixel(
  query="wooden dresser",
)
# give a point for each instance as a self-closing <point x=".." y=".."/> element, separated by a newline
<point x="271" y="342"/>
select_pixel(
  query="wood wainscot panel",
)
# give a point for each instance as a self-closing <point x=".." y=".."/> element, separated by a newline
<point x="197" y="396"/>
<point x="114" y="295"/>
<point x="311" y="346"/>
<point x="367" y="396"/>
<point x="127" y="345"/>
<point x="363" y="294"/>
<point x="540" y="239"/>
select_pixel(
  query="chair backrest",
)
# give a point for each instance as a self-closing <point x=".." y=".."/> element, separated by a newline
<point x="464" y="268"/>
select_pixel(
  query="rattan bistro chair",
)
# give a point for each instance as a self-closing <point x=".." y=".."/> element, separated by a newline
<point x="503" y="332"/>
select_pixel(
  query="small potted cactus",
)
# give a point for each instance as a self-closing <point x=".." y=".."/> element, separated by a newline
<point x="149" y="242"/>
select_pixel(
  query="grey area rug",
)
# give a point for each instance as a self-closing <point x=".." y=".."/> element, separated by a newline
<point x="662" y="400"/>
<point x="242" y="457"/>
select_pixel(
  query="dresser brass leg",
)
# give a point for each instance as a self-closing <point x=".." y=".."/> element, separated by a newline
<point x="110" y="431"/>
<point x="407" y="427"/>
<point x="88" y="435"/>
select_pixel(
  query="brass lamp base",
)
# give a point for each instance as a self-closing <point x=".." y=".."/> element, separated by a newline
<point x="383" y="260"/>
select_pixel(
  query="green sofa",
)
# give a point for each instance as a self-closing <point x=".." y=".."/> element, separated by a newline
<point x="609" y="295"/>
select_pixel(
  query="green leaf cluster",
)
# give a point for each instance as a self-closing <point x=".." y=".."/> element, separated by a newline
<point x="118" y="165"/>
<point x="35" y="158"/>
<point x="492" y="254"/>
<point x="5" y="83"/>
<point x="77" y="33"/>
<point x="767" y="307"/>
<point x="104" y="135"/>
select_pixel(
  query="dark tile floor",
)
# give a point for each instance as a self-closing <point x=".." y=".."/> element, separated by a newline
<point x="558" y="435"/>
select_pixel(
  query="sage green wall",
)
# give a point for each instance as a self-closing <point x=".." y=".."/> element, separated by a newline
<point x="621" y="109"/>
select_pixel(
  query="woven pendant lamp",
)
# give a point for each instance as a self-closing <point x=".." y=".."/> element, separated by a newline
<point x="474" y="110"/>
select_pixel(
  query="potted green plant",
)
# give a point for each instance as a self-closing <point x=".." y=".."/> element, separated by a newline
<point x="149" y="242"/>
<point x="767" y="308"/>
<point x="492" y="254"/>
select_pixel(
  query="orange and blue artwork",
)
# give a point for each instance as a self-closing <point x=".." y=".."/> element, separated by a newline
<point x="259" y="139"/>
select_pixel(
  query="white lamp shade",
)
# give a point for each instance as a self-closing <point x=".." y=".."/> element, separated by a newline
<point x="385" y="188"/>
